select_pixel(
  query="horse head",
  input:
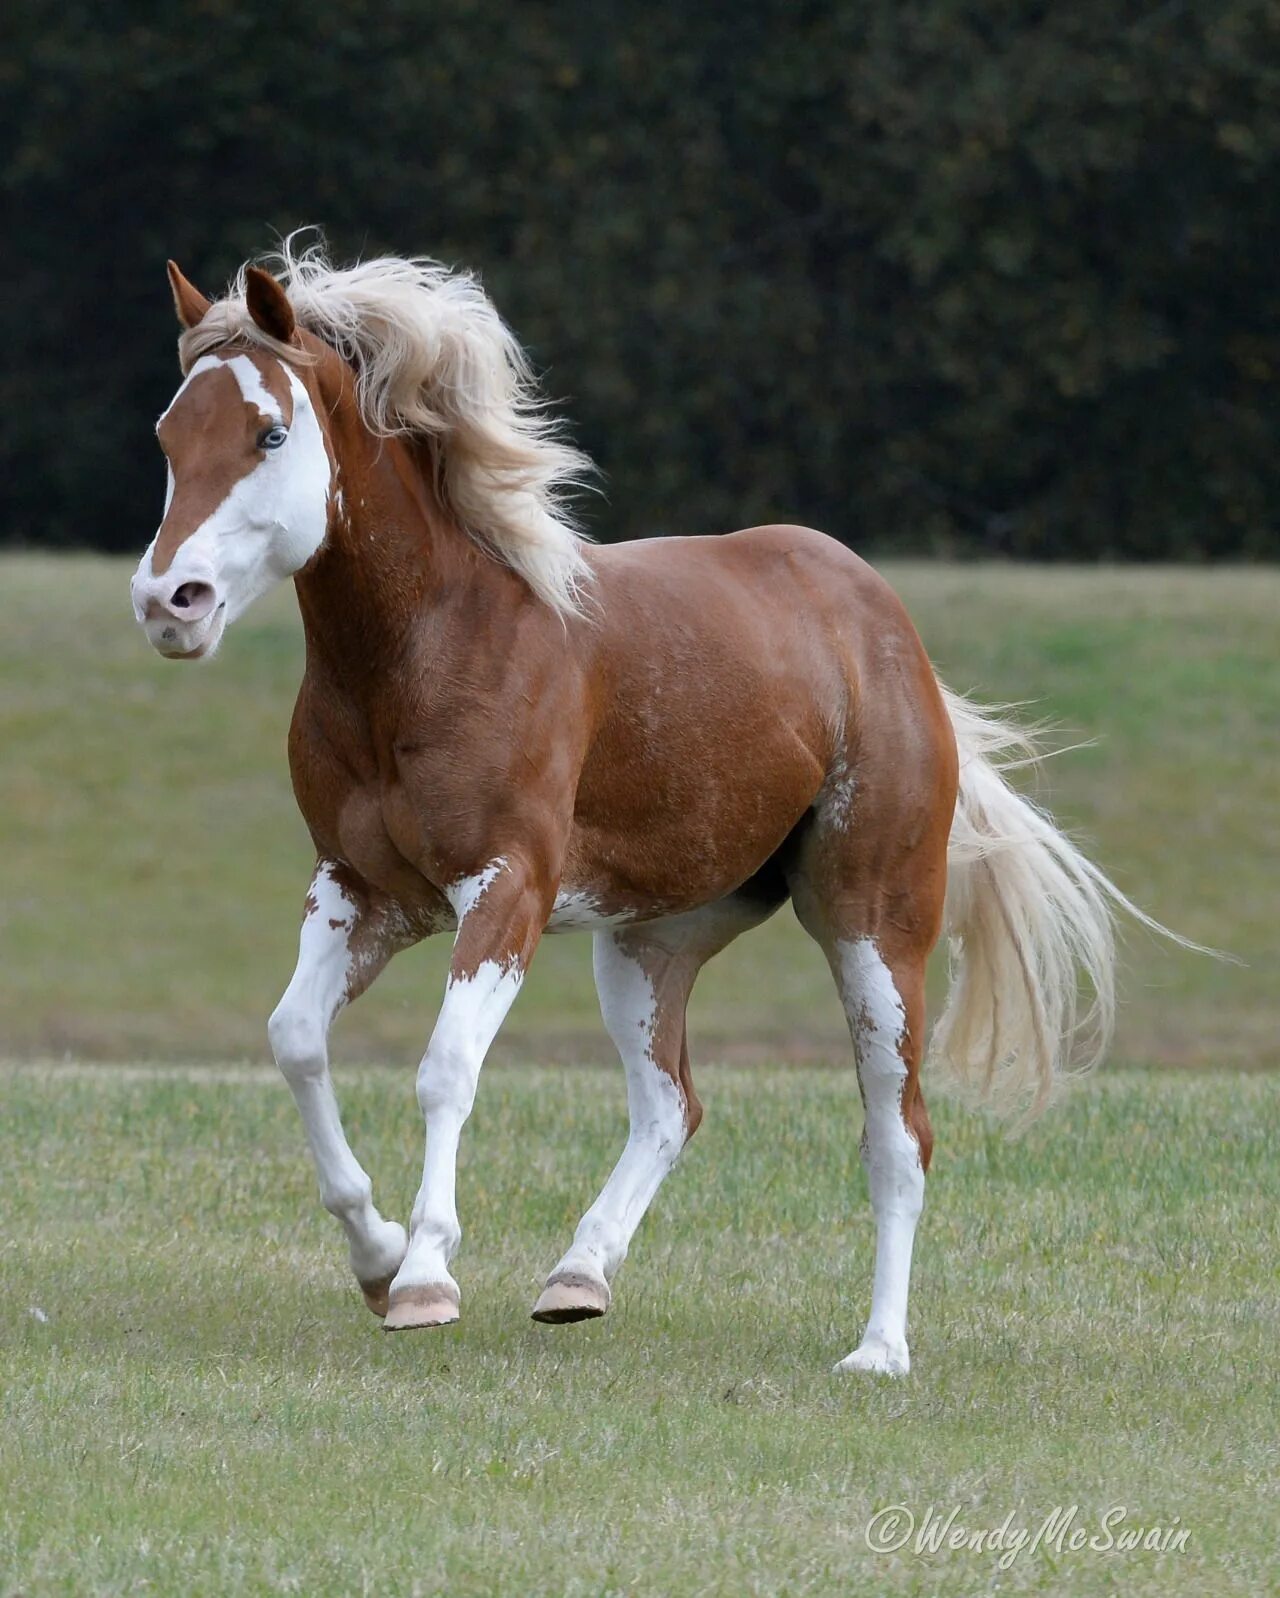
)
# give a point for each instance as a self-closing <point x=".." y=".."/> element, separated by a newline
<point x="249" y="469"/>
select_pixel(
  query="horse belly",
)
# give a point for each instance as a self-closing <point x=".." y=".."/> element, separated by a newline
<point x="678" y="839"/>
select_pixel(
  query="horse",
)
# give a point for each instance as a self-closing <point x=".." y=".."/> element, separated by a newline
<point x="504" y="730"/>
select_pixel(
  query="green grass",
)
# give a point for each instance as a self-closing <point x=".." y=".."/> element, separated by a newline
<point x="155" y="864"/>
<point x="208" y="1409"/>
<point x="202" y="1405"/>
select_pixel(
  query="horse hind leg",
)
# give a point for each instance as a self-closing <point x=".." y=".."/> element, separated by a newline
<point x="643" y="989"/>
<point x="879" y="972"/>
<point x="644" y="976"/>
<point x="884" y="1004"/>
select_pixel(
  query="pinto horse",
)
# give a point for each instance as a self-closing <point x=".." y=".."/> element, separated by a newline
<point x="504" y="731"/>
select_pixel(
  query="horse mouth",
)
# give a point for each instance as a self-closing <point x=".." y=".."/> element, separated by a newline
<point x="169" y="642"/>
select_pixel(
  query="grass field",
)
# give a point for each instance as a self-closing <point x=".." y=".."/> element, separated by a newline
<point x="155" y="864"/>
<point x="208" y="1409"/>
<point x="192" y="1399"/>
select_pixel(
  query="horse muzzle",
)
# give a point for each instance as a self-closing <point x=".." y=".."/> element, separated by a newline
<point x="182" y="620"/>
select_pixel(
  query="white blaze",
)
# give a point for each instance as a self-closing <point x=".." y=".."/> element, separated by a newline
<point x="272" y="520"/>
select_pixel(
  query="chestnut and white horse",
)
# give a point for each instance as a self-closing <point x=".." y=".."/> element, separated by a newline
<point x="503" y="731"/>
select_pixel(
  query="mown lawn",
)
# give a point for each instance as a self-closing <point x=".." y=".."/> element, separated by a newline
<point x="202" y="1406"/>
<point x="192" y="1399"/>
<point x="154" y="862"/>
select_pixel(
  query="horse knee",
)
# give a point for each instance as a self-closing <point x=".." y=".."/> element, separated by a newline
<point x="297" y="1041"/>
<point x="447" y="1082"/>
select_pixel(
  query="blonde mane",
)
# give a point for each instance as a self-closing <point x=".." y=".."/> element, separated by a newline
<point x="434" y="360"/>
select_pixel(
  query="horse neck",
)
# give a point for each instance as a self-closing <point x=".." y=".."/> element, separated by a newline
<point x="392" y="565"/>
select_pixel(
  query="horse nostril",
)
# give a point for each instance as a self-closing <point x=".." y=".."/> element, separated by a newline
<point x="196" y="599"/>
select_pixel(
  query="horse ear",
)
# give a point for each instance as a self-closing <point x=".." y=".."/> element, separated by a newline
<point x="188" y="301"/>
<point x="269" y="305"/>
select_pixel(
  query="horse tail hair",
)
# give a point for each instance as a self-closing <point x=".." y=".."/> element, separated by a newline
<point x="1027" y="915"/>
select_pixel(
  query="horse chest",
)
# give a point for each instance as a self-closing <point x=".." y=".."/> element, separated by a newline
<point x="365" y="842"/>
<point x="347" y="816"/>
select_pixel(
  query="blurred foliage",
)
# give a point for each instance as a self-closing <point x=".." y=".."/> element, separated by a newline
<point x="932" y="275"/>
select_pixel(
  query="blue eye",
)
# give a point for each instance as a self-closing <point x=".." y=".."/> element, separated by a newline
<point x="273" y="438"/>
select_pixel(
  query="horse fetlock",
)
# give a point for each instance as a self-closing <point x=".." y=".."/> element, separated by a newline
<point x="377" y="1253"/>
<point x="599" y="1248"/>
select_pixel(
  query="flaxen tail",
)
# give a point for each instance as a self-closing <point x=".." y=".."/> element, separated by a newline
<point x="1027" y="918"/>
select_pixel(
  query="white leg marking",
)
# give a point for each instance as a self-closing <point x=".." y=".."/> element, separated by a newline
<point x="890" y="1152"/>
<point x="298" y="1030"/>
<point x="474" y="1008"/>
<point x="657" y="1111"/>
<point x="467" y="892"/>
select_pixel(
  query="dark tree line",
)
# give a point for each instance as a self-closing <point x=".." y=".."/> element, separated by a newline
<point x="963" y="277"/>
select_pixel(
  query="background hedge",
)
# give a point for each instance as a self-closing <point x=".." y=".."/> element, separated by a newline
<point x="989" y="277"/>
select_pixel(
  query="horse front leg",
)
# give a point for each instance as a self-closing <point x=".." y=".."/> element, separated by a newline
<point x="501" y="912"/>
<point x="347" y="937"/>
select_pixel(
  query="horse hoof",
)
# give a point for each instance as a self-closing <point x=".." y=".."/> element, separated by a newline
<point x="376" y="1295"/>
<point x="876" y="1357"/>
<point x="433" y="1305"/>
<point x="572" y="1297"/>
